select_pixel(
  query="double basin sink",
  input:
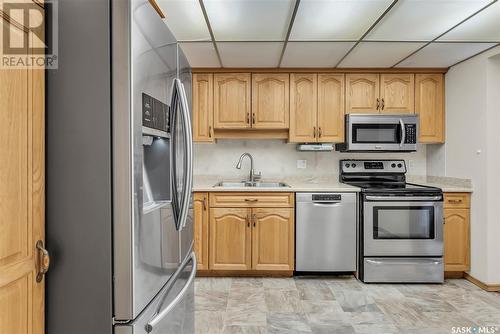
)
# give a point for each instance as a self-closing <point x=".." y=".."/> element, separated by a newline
<point x="247" y="184"/>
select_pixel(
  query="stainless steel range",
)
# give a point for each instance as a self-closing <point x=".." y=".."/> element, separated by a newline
<point x="401" y="224"/>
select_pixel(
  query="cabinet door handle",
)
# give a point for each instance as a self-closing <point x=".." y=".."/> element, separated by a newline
<point x="251" y="200"/>
<point x="248" y="117"/>
<point x="378" y="103"/>
<point x="210" y="131"/>
<point x="204" y="204"/>
<point x="383" y="103"/>
<point x="319" y="132"/>
<point x="43" y="261"/>
<point x="253" y="118"/>
<point x="254" y="218"/>
<point x="314" y="131"/>
<point x="248" y="220"/>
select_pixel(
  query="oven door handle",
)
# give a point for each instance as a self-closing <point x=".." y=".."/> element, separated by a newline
<point x="404" y="198"/>
<point x="403" y="132"/>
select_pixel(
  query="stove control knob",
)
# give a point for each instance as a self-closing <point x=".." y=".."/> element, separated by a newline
<point x="393" y="165"/>
<point x="353" y="165"/>
<point x="400" y="165"/>
<point x="347" y="165"/>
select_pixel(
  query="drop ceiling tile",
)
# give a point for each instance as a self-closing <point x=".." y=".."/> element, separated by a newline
<point x="250" y="54"/>
<point x="444" y="54"/>
<point x="335" y="19"/>
<point x="423" y="20"/>
<point x="249" y="20"/>
<point x="483" y="27"/>
<point x="185" y="19"/>
<point x="200" y="54"/>
<point x="314" y="54"/>
<point x="379" y="54"/>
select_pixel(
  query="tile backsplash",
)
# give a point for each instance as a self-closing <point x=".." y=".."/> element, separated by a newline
<point x="277" y="159"/>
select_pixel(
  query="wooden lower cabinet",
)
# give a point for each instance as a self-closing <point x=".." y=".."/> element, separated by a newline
<point x="243" y="237"/>
<point x="230" y="239"/>
<point x="272" y="239"/>
<point x="200" y="212"/>
<point x="456" y="232"/>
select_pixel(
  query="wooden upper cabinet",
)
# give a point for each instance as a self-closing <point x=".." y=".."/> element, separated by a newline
<point x="456" y="239"/>
<point x="230" y="239"/>
<point x="397" y="93"/>
<point x="232" y="100"/>
<point x="362" y="93"/>
<point x="273" y="239"/>
<point x="429" y="105"/>
<point x="200" y="215"/>
<point x="203" y="103"/>
<point x="331" y="88"/>
<point x="303" y="107"/>
<point x="270" y="101"/>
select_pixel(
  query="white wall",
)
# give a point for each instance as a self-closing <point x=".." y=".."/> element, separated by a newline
<point x="277" y="159"/>
<point x="472" y="150"/>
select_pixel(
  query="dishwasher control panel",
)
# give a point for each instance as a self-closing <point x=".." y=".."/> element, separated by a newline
<point x="326" y="197"/>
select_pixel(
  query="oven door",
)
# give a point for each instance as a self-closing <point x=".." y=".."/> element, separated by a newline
<point x="380" y="133"/>
<point x="403" y="225"/>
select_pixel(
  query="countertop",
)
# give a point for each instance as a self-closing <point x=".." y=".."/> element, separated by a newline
<point x="327" y="184"/>
<point x="296" y="184"/>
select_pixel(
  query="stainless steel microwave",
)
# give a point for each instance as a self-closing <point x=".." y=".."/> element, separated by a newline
<point x="384" y="133"/>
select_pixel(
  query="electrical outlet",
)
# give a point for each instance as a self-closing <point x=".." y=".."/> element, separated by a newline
<point x="301" y="164"/>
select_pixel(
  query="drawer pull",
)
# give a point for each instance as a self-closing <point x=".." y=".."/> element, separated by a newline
<point x="455" y="201"/>
<point x="251" y="200"/>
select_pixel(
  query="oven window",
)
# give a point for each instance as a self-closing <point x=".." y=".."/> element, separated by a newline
<point x="403" y="222"/>
<point x="376" y="133"/>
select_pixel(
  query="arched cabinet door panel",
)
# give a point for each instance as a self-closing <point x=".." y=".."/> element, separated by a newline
<point x="303" y="107"/>
<point x="270" y="101"/>
<point x="397" y="93"/>
<point x="362" y="93"/>
<point x="429" y="105"/>
<point x="232" y="100"/>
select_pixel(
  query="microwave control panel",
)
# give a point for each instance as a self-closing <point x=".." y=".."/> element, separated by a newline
<point x="411" y="133"/>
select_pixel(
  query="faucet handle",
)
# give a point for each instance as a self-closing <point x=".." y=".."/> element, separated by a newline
<point x="257" y="176"/>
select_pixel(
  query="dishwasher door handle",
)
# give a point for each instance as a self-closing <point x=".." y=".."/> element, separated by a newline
<point x="326" y="204"/>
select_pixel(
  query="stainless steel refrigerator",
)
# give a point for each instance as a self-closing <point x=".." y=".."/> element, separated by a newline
<point x="119" y="162"/>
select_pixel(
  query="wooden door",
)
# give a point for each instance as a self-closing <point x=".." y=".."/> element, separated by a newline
<point x="303" y="107"/>
<point x="200" y="210"/>
<point x="456" y="239"/>
<point x="203" y="102"/>
<point x="331" y="88"/>
<point x="270" y="101"/>
<point x="397" y="93"/>
<point x="429" y="105"/>
<point x="232" y="100"/>
<point x="230" y="239"/>
<point x="273" y="239"/>
<point x="22" y="210"/>
<point x="362" y="93"/>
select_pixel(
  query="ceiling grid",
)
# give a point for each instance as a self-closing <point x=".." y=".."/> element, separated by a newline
<point x="294" y="33"/>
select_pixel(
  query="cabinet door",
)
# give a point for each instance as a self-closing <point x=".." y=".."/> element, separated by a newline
<point x="232" y="101"/>
<point x="230" y="239"/>
<point x="272" y="239"/>
<point x="397" y="93"/>
<point x="429" y="105"/>
<point x="200" y="208"/>
<point x="203" y="102"/>
<point x="331" y="89"/>
<point x="270" y="101"/>
<point x="303" y="107"/>
<point x="456" y="239"/>
<point x="362" y="93"/>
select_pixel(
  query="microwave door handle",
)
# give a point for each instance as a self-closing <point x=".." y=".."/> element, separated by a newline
<point x="403" y="132"/>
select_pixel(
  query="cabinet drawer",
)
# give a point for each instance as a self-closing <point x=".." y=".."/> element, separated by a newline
<point x="263" y="200"/>
<point x="457" y="200"/>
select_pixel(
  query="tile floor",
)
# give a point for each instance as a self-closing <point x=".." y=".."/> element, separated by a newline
<point x="340" y="305"/>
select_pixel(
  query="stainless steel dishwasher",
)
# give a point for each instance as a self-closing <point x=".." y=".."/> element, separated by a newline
<point x="325" y="232"/>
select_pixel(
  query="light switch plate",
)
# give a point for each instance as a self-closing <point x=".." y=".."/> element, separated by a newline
<point x="301" y="164"/>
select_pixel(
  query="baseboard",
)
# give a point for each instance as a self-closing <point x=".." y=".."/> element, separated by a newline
<point x="244" y="273"/>
<point x="484" y="286"/>
<point x="454" y="274"/>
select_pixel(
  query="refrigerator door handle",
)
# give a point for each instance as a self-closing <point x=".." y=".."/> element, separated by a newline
<point x="176" y="205"/>
<point x="188" y="185"/>
<point x="160" y="315"/>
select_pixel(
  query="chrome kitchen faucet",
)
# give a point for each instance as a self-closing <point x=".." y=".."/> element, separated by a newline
<point x="253" y="176"/>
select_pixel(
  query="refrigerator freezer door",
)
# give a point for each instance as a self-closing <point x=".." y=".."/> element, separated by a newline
<point x="172" y="311"/>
